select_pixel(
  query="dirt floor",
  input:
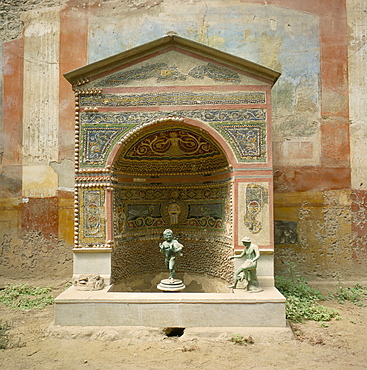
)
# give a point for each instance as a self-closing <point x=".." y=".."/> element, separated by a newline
<point x="36" y="344"/>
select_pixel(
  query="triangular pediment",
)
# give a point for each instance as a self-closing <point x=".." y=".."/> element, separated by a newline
<point x="172" y="60"/>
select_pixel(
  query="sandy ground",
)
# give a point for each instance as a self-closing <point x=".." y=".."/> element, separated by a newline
<point x="36" y="344"/>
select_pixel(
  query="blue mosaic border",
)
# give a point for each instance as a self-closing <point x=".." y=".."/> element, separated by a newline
<point x="207" y="115"/>
<point x="172" y="98"/>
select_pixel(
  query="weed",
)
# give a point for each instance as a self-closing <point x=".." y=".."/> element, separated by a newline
<point x="240" y="339"/>
<point x="296" y="286"/>
<point x="24" y="297"/>
<point x="4" y="335"/>
<point x="301" y="299"/>
<point x="353" y="294"/>
<point x="302" y="309"/>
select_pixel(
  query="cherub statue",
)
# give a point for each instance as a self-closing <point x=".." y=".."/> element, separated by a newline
<point x="171" y="248"/>
<point x="247" y="270"/>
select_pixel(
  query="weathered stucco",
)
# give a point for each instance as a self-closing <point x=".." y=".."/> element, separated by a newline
<point x="319" y="116"/>
<point x="316" y="234"/>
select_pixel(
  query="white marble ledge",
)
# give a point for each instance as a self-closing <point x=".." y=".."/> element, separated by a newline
<point x="268" y="295"/>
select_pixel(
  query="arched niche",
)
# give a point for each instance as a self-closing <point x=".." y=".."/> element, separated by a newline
<point x="174" y="175"/>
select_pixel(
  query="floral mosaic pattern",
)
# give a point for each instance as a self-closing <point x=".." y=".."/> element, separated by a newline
<point x="247" y="139"/>
<point x="214" y="72"/>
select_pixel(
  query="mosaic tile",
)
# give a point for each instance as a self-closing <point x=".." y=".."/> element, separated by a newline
<point x="97" y="141"/>
<point x="147" y="207"/>
<point x="163" y="72"/>
<point x="248" y="145"/>
<point x="171" y="144"/>
<point x="248" y="140"/>
<point x="170" y="149"/>
<point x="172" y="98"/>
<point x="256" y="197"/>
<point x="92" y="221"/>
<point x="207" y="115"/>
<point x="215" y="72"/>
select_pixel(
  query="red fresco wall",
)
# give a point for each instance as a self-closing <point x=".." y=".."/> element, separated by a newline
<point x="318" y="199"/>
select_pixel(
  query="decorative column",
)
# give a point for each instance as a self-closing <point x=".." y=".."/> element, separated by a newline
<point x="93" y="217"/>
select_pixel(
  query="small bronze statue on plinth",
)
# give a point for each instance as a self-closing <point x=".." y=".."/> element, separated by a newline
<point x="171" y="248"/>
<point x="247" y="270"/>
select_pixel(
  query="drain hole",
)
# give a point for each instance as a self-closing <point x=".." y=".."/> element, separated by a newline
<point x="174" y="332"/>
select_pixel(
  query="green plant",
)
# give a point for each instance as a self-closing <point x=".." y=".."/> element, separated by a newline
<point x="240" y="339"/>
<point x="301" y="309"/>
<point x="354" y="294"/>
<point x="301" y="299"/>
<point x="296" y="286"/>
<point x="24" y="296"/>
<point x="4" y="335"/>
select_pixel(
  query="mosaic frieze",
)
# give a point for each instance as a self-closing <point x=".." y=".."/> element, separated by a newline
<point x="214" y="72"/>
<point x="154" y="206"/>
<point x="144" y="215"/>
<point x="255" y="114"/>
<point x="208" y="215"/>
<point x="185" y="193"/>
<point x="207" y="115"/>
<point x="92" y="220"/>
<point x="162" y="72"/>
<point x="256" y="198"/>
<point x="172" y="98"/>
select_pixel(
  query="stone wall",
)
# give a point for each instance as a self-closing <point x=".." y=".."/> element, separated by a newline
<point x="319" y="118"/>
<point x="357" y="21"/>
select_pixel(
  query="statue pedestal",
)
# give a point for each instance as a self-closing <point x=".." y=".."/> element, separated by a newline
<point x="171" y="285"/>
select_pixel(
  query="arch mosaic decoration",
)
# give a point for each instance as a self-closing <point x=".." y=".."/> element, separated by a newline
<point x="244" y="129"/>
<point x="170" y="149"/>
